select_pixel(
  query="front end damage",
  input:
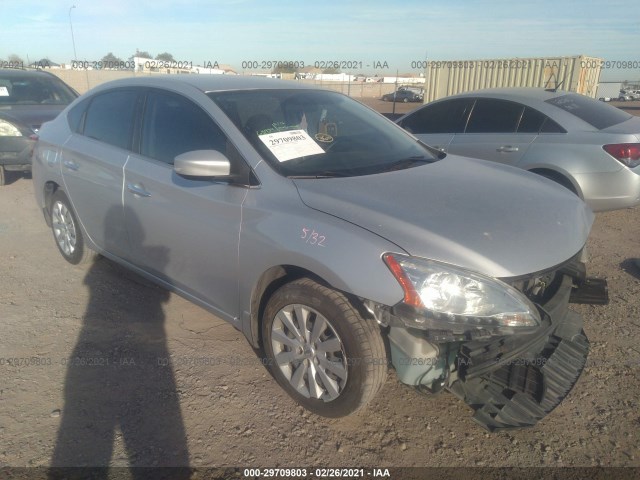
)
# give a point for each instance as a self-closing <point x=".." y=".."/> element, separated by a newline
<point x="510" y="379"/>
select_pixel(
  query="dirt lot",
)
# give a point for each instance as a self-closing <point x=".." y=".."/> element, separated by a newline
<point x="163" y="382"/>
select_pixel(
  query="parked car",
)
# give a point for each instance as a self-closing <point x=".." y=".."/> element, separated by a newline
<point x="337" y="243"/>
<point x="28" y="98"/>
<point x="403" y="96"/>
<point x="628" y="96"/>
<point x="591" y="148"/>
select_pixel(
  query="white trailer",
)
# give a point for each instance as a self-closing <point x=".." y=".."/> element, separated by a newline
<point x="608" y="91"/>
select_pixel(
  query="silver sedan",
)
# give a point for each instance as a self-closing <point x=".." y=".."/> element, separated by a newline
<point x="336" y="242"/>
<point x="589" y="147"/>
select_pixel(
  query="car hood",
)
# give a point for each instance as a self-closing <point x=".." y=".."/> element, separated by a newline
<point x="493" y="219"/>
<point x="31" y="116"/>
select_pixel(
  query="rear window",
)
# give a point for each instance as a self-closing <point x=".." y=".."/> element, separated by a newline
<point x="597" y="114"/>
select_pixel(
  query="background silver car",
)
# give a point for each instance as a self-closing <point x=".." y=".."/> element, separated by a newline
<point x="589" y="147"/>
<point x="329" y="236"/>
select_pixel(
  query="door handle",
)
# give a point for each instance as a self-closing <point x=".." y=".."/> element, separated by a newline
<point x="71" y="165"/>
<point x="138" y="189"/>
<point x="507" y="148"/>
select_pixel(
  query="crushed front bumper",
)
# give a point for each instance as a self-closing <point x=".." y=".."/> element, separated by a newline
<point x="516" y="381"/>
<point x="16" y="153"/>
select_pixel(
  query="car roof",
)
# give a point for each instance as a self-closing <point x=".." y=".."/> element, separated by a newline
<point x="204" y="82"/>
<point x="519" y="94"/>
<point x="19" y="72"/>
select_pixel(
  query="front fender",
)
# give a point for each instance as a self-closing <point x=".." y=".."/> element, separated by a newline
<point x="278" y="231"/>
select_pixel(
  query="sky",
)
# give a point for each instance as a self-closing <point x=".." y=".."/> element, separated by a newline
<point x="368" y="33"/>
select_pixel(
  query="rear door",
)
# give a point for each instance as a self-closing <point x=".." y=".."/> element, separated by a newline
<point x="182" y="230"/>
<point x="92" y="165"/>
<point x="493" y="131"/>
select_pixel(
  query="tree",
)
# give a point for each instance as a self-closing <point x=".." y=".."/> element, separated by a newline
<point x="15" y="59"/>
<point x="43" y="63"/>
<point x="285" y="67"/>
<point x="111" y="61"/>
<point x="165" y="57"/>
<point x="143" y="54"/>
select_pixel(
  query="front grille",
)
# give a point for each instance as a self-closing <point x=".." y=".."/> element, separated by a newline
<point x="541" y="287"/>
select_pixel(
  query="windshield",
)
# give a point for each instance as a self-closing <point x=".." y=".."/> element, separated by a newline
<point x="33" y="90"/>
<point x="311" y="133"/>
<point x="595" y="113"/>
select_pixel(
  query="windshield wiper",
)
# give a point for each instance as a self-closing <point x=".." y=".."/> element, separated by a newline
<point x="322" y="174"/>
<point x="407" y="162"/>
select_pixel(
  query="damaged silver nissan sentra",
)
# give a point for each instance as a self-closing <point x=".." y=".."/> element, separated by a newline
<point x="334" y="240"/>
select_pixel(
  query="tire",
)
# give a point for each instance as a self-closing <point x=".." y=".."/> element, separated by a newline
<point x="559" y="179"/>
<point x="67" y="232"/>
<point x="405" y="100"/>
<point x="3" y="176"/>
<point x="351" y="368"/>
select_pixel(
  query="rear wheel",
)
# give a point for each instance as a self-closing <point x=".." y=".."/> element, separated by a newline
<point x="320" y="350"/>
<point x="67" y="232"/>
<point x="559" y="179"/>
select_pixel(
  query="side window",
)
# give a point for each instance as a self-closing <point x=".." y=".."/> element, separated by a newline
<point x="109" y="118"/>
<point x="448" y="116"/>
<point x="494" y="116"/>
<point x="531" y="121"/>
<point x="75" y="116"/>
<point x="173" y="125"/>
<point x="549" y="126"/>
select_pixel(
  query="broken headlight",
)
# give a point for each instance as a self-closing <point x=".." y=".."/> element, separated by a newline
<point x="457" y="299"/>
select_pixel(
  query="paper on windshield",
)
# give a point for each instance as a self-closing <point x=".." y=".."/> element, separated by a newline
<point x="4" y="92"/>
<point x="291" y="144"/>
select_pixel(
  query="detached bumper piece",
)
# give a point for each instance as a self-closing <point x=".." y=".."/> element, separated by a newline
<point x="512" y="385"/>
<point x="593" y="291"/>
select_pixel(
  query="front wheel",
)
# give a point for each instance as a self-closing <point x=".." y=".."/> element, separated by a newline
<point x="320" y="349"/>
<point x="67" y="232"/>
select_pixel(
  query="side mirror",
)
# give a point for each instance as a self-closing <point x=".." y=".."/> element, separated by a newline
<point x="202" y="163"/>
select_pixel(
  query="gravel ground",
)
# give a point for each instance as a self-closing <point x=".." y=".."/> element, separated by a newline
<point x="167" y="383"/>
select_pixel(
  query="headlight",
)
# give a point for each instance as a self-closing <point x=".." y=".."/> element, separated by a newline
<point x="451" y="296"/>
<point x="8" y="129"/>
